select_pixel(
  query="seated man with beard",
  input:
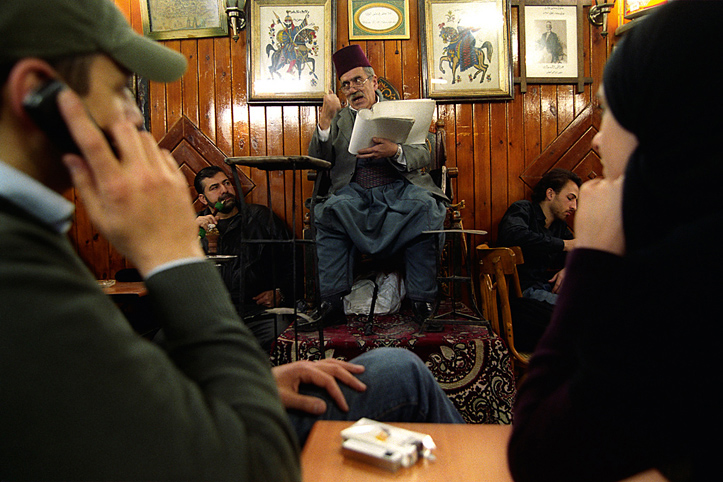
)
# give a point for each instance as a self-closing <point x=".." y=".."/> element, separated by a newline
<point x="539" y="227"/>
<point x="260" y="277"/>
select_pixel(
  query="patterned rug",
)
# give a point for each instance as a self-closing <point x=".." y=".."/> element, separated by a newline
<point x="470" y="362"/>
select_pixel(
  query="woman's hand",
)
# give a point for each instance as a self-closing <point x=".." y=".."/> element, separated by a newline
<point x="599" y="217"/>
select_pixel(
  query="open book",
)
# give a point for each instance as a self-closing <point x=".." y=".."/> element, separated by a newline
<point x="400" y="121"/>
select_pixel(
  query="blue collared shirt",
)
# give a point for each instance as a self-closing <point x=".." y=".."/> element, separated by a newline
<point x="45" y="204"/>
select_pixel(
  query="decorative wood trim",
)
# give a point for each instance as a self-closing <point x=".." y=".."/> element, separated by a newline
<point x="193" y="151"/>
<point x="571" y="150"/>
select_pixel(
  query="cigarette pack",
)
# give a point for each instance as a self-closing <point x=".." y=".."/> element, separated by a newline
<point x="385" y="446"/>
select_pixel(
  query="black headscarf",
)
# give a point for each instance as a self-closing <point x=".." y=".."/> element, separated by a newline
<point x="661" y="84"/>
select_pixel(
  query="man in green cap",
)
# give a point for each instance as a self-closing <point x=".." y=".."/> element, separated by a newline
<point x="83" y="397"/>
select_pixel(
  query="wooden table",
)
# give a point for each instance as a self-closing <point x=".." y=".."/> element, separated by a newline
<point x="464" y="453"/>
<point x="130" y="297"/>
<point x="126" y="288"/>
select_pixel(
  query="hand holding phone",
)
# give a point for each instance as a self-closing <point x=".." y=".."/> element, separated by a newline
<point x="138" y="200"/>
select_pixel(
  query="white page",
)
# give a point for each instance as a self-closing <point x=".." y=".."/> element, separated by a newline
<point x="401" y="121"/>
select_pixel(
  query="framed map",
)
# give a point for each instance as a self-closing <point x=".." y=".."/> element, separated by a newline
<point x="171" y="19"/>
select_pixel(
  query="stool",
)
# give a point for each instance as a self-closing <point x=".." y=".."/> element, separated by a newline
<point x="460" y="239"/>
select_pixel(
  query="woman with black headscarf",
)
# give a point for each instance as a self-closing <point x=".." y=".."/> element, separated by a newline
<point x="624" y="379"/>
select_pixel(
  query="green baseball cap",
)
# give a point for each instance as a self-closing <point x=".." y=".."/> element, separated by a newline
<point x="58" y="28"/>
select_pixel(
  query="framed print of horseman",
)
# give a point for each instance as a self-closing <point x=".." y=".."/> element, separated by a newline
<point x="466" y="45"/>
<point x="289" y="55"/>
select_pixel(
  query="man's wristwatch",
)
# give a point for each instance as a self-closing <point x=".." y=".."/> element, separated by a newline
<point x="399" y="152"/>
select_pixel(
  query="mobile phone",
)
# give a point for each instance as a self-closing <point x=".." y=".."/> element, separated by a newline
<point x="42" y="107"/>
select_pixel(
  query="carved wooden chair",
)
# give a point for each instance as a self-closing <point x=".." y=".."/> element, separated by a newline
<point x="499" y="282"/>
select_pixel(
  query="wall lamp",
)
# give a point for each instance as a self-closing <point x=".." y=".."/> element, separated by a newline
<point x="598" y="16"/>
<point x="236" y="16"/>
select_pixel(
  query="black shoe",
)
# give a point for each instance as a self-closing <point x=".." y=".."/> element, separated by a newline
<point x="423" y="310"/>
<point x="326" y="314"/>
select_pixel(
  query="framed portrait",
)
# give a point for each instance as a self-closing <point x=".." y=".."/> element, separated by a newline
<point x="551" y="42"/>
<point x="380" y="20"/>
<point x="171" y="19"/>
<point x="289" y="54"/>
<point x="466" y="45"/>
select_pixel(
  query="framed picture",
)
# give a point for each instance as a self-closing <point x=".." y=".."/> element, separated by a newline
<point x="289" y="55"/>
<point x="466" y="45"/>
<point x="171" y="19"/>
<point x="551" y="41"/>
<point x="383" y="20"/>
<point x="637" y="8"/>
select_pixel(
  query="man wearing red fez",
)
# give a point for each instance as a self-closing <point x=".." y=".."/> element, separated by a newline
<point x="379" y="200"/>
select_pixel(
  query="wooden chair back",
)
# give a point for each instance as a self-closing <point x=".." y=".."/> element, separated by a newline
<point x="498" y="282"/>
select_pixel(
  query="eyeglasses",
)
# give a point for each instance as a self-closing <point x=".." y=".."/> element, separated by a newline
<point x="356" y="82"/>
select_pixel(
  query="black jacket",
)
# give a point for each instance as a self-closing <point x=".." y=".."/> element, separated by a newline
<point x="263" y="266"/>
<point x="523" y="225"/>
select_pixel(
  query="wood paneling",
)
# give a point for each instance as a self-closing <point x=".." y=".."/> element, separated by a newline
<point x="498" y="146"/>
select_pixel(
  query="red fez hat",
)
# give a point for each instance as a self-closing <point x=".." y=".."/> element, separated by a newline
<point x="349" y="58"/>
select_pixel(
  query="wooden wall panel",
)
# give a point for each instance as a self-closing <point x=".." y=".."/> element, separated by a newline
<point x="492" y="143"/>
<point x="482" y="176"/>
<point x="189" y="91"/>
<point x="207" y="88"/>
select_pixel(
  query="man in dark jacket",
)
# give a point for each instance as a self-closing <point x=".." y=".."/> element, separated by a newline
<point x="260" y="276"/>
<point x="84" y="397"/>
<point x="539" y="227"/>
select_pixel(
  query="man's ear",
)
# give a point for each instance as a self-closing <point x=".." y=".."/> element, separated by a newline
<point x="203" y="199"/>
<point x="26" y="76"/>
<point x="550" y="194"/>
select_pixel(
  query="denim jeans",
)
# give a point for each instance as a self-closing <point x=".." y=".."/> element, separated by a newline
<point x="386" y="220"/>
<point x="540" y="295"/>
<point x="400" y="388"/>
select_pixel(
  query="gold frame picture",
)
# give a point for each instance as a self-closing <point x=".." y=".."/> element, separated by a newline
<point x="379" y="20"/>
<point x="466" y="45"/>
<point x="289" y="54"/>
<point x="172" y="19"/>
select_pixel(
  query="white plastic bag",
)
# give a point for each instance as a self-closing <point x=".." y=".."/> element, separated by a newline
<point x="389" y="299"/>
